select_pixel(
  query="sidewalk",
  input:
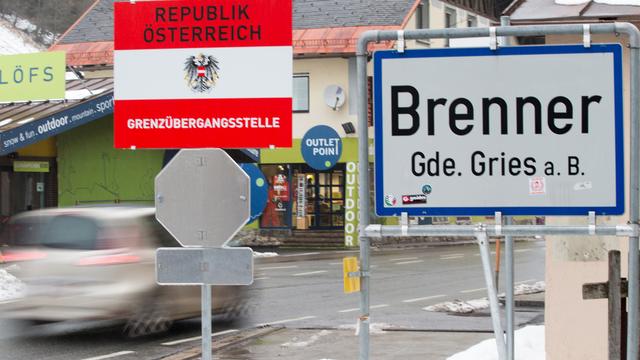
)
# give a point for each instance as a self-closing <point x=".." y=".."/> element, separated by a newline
<point x="268" y="343"/>
<point x="315" y="344"/>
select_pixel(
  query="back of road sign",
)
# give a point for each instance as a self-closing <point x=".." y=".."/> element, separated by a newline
<point x="202" y="197"/>
<point x="197" y="266"/>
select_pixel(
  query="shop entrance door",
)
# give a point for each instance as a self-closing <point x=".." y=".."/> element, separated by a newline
<point x="324" y="197"/>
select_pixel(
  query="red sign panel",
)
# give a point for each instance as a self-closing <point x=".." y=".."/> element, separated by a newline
<point x="193" y="74"/>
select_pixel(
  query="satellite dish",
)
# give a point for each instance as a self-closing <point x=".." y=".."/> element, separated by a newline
<point x="334" y="96"/>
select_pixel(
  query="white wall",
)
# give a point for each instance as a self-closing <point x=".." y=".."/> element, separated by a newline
<point x="322" y="73"/>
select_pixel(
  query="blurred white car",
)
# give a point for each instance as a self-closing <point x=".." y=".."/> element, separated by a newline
<point x="98" y="263"/>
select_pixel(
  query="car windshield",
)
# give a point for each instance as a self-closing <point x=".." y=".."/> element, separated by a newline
<point x="64" y="231"/>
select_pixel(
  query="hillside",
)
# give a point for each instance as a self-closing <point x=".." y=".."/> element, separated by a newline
<point x="14" y="41"/>
<point x="42" y="20"/>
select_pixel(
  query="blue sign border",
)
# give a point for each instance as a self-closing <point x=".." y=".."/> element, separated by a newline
<point x="614" y="49"/>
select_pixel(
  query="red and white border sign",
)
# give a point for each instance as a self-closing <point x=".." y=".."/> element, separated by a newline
<point x="203" y="73"/>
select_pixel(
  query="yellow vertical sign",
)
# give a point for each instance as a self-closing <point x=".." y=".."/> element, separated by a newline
<point x="37" y="76"/>
<point x="350" y="278"/>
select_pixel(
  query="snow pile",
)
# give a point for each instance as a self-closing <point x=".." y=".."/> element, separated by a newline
<point x="606" y="2"/>
<point x="529" y="344"/>
<point x="459" y="306"/>
<point x="469" y="306"/>
<point x="523" y="289"/>
<point x="314" y="338"/>
<point x="12" y="41"/>
<point x="257" y="254"/>
<point x="10" y="287"/>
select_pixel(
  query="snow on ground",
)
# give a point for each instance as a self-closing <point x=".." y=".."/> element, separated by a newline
<point x="606" y="2"/>
<point x="13" y="41"/>
<point x="469" y="306"/>
<point x="10" y="286"/>
<point x="257" y="254"/>
<point x="529" y="345"/>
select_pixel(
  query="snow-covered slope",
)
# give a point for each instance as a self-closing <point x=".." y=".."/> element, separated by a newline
<point x="13" y="41"/>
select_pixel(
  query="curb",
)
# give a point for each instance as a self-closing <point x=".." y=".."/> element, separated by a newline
<point x="223" y="343"/>
<point x="338" y="254"/>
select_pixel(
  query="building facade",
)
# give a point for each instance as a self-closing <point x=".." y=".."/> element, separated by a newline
<point x="84" y="168"/>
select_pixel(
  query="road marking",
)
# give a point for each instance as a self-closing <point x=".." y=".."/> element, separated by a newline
<point x="285" y="321"/>
<point x="451" y="257"/>
<point x="311" y="273"/>
<point x="406" y="258"/>
<point x="476" y="254"/>
<point x="176" y="342"/>
<point x="109" y="356"/>
<point x="472" y="290"/>
<point x="525" y="281"/>
<point x="423" y="298"/>
<point x="370" y="307"/>
<point x="521" y="250"/>
<point x="409" y="262"/>
<point x="261" y="278"/>
<point x="452" y="254"/>
<point x="335" y="263"/>
<point x="309" y="253"/>
<point x="278" y="267"/>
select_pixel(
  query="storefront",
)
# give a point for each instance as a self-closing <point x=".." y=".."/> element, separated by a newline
<point x="304" y="199"/>
<point x="28" y="180"/>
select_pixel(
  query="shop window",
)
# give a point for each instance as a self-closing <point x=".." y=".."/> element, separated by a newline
<point x="277" y="212"/>
<point x="301" y="93"/>
<point x="323" y="198"/>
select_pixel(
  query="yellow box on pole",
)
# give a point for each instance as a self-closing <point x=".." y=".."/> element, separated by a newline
<point x="350" y="275"/>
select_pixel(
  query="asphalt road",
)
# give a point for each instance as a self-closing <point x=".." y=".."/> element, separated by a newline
<point x="306" y="294"/>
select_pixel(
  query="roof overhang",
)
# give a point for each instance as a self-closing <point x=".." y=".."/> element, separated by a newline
<point x="55" y="123"/>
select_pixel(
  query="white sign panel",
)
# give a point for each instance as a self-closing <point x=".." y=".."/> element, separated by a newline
<point x="529" y="130"/>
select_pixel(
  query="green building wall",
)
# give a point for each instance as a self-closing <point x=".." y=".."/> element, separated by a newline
<point x="90" y="170"/>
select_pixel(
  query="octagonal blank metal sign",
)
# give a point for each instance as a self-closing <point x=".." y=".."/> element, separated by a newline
<point x="202" y="197"/>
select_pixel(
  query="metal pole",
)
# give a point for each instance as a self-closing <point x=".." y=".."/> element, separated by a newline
<point x="634" y="203"/>
<point x="483" y="242"/>
<point x="510" y="283"/>
<point x="206" y="322"/>
<point x="630" y="230"/>
<point x="509" y="259"/>
<point x="363" y="173"/>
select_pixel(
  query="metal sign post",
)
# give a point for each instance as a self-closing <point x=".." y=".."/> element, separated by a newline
<point x="203" y="199"/>
<point x="611" y="204"/>
<point x="509" y="277"/>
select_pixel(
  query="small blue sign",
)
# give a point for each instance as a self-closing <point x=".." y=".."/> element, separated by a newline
<point x="321" y="147"/>
<point x="259" y="190"/>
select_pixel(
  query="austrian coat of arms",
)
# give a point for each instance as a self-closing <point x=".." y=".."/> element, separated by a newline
<point x="201" y="72"/>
